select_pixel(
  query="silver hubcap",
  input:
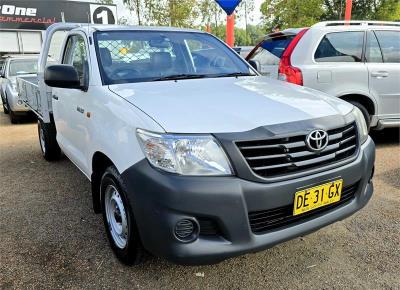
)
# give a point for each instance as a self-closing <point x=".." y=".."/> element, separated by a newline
<point x="42" y="141"/>
<point x="116" y="216"/>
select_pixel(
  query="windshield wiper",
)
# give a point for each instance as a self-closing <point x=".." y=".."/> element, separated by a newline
<point x="235" y="74"/>
<point x="180" y="77"/>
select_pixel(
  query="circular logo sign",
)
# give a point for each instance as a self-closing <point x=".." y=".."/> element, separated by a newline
<point x="317" y="140"/>
<point x="103" y="15"/>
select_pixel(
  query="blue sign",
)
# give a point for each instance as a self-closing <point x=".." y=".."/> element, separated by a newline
<point x="229" y="6"/>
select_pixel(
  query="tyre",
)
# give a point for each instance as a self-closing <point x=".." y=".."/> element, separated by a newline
<point x="364" y="111"/>
<point x="47" y="140"/>
<point x="13" y="117"/>
<point x="5" y="109"/>
<point x="119" y="221"/>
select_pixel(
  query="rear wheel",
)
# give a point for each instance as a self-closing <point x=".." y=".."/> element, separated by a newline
<point x="13" y="117"/>
<point x="47" y="140"/>
<point x="364" y="111"/>
<point x="119" y="220"/>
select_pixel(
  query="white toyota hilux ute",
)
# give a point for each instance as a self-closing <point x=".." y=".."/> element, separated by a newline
<point x="192" y="155"/>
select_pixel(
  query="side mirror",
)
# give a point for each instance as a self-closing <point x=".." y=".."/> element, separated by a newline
<point x="255" y="65"/>
<point x="62" y="76"/>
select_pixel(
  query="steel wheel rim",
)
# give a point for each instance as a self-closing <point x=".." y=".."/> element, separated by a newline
<point x="42" y="141"/>
<point x="116" y="217"/>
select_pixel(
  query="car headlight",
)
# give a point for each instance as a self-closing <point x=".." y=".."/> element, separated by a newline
<point x="184" y="154"/>
<point x="361" y="125"/>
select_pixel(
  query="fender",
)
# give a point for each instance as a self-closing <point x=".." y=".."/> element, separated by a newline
<point x="360" y="93"/>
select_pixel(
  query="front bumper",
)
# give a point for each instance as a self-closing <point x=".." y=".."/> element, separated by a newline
<point x="159" y="200"/>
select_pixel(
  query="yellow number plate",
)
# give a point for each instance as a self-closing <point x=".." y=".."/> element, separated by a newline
<point x="318" y="196"/>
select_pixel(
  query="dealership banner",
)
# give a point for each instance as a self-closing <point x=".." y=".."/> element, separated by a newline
<point x="40" y="14"/>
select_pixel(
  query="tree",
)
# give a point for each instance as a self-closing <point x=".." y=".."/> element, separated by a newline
<point x="297" y="13"/>
<point x="291" y="13"/>
<point x="209" y="12"/>
<point x="105" y="2"/>
<point x="388" y="10"/>
<point x="180" y="13"/>
<point x="139" y="7"/>
<point x="253" y="36"/>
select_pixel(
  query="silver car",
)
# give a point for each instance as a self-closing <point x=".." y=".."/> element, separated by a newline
<point x="358" y="61"/>
<point x="13" y="67"/>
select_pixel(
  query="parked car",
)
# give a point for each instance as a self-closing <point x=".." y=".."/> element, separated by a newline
<point x="1" y="64"/>
<point x="15" y="66"/>
<point x="357" y="61"/>
<point x="191" y="154"/>
<point x="243" y="50"/>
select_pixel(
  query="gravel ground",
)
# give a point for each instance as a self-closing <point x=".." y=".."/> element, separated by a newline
<point x="50" y="238"/>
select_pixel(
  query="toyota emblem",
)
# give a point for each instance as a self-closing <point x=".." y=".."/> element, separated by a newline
<point x="317" y="140"/>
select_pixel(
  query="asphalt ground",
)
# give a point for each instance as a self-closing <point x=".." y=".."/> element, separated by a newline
<point x="50" y="237"/>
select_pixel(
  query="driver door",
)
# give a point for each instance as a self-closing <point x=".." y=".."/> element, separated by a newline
<point x="69" y="112"/>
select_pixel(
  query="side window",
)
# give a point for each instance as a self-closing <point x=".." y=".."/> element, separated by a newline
<point x="373" y="53"/>
<point x="390" y="45"/>
<point x="76" y="55"/>
<point x="341" y="47"/>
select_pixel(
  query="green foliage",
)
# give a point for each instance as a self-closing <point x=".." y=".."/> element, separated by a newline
<point x="195" y="14"/>
<point x="252" y="37"/>
<point x="291" y="13"/>
<point x="301" y="13"/>
<point x="181" y="13"/>
<point x="105" y="2"/>
<point x="389" y="11"/>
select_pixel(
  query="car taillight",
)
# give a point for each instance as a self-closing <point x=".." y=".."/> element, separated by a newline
<point x="287" y="72"/>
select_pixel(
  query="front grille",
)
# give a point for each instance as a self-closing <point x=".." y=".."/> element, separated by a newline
<point x="280" y="156"/>
<point x="267" y="220"/>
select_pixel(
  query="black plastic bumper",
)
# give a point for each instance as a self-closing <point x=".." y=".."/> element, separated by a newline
<point x="159" y="200"/>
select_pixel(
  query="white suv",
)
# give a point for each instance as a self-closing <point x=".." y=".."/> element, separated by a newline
<point x="358" y="61"/>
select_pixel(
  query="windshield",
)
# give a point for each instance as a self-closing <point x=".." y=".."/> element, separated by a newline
<point x="23" y="67"/>
<point x="139" y="56"/>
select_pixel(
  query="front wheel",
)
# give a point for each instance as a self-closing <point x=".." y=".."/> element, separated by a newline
<point x="48" y="142"/>
<point x="5" y="109"/>
<point x="119" y="220"/>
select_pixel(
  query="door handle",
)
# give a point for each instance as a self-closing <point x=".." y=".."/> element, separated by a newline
<point x="55" y="97"/>
<point x="380" y="74"/>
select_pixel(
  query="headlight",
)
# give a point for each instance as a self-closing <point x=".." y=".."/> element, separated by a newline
<point x="361" y="125"/>
<point x="184" y="154"/>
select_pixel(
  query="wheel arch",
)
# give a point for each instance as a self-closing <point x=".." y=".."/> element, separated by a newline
<point x="100" y="162"/>
<point x="364" y="100"/>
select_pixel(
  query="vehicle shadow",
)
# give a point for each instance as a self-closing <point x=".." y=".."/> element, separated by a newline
<point x="390" y="136"/>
